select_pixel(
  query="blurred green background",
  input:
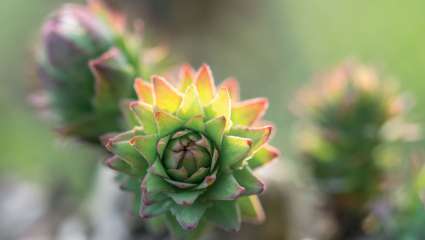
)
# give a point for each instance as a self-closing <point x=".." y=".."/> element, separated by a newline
<point x="272" y="47"/>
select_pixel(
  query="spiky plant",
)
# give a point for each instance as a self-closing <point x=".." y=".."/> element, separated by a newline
<point x="344" y="115"/>
<point x="87" y="61"/>
<point x="403" y="214"/>
<point x="191" y="154"/>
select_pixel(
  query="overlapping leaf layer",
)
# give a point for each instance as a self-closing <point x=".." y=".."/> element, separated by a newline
<point x="192" y="151"/>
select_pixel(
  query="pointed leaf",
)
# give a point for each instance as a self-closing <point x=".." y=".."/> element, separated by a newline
<point x="162" y="143"/>
<point x="167" y="123"/>
<point x="234" y="150"/>
<point x="200" y="174"/>
<point x="249" y="181"/>
<point x="155" y="209"/>
<point x="208" y="181"/>
<point x="225" y="188"/>
<point x="129" y="183"/>
<point x="181" y="185"/>
<point x="144" y="91"/>
<point x="214" y="160"/>
<point x="127" y="153"/>
<point x="144" y="113"/>
<point x="225" y="214"/>
<point x="149" y="198"/>
<point x="178" y="233"/>
<point x="180" y="174"/>
<point x="118" y="164"/>
<point x="258" y="135"/>
<point x="220" y="106"/>
<point x="155" y="184"/>
<point x="146" y="145"/>
<point x="109" y="139"/>
<point x="189" y="216"/>
<point x="185" y="197"/>
<point x="186" y="77"/>
<point x="190" y="105"/>
<point x="247" y="112"/>
<point x="251" y="209"/>
<point x="196" y="123"/>
<point x="205" y="84"/>
<point x="263" y="156"/>
<point x="233" y="86"/>
<point x="158" y="169"/>
<point x="153" y="189"/>
<point x="214" y="129"/>
<point x="166" y="96"/>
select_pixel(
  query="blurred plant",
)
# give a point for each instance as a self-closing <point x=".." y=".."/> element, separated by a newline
<point x="407" y="210"/>
<point x="87" y="61"/>
<point x="344" y="118"/>
<point x="193" y="151"/>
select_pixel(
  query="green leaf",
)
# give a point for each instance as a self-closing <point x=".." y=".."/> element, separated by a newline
<point x="220" y="106"/>
<point x="155" y="209"/>
<point x="148" y="198"/>
<point x="179" y="174"/>
<point x="208" y="180"/>
<point x="258" y="135"/>
<point x="129" y="183"/>
<point x="200" y="174"/>
<point x="181" y="185"/>
<point x="118" y="164"/>
<point x="234" y="149"/>
<point x="225" y="214"/>
<point x="214" y="129"/>
<point x="225" y="188"/>
<point x="153" y="189"/>
<point x="263" y="156"/>
<point x="137" y="201"/>
<point x="191" y="105"/>
<point x="214" y="159"/>
<point x="185" y="197"/>
<point x="154" y="184"/>
<point x="144" y="113"/>
<point x="179" y="233"/>
<point x="251" y="209"/>
<point x="162" y="143"/>
<point x="146" y="146"/>
<point x="158" y="169"/>
<point x="247" y="112"/>
<point x="196" y="123"/>
<point x="189" y="216"/>
<point x="126" y="152"/>
<point x="156" y="225"/>
<point x="249" y="181"/>
<point x="167" y="123"/>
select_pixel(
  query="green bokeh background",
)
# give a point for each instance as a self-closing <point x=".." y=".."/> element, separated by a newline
<point x="273" y="51"/>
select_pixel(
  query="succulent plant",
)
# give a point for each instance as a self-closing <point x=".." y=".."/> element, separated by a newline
<point x="191" y="154"/>
<point x="87" y="61"/>
<point x="344" y="116"/>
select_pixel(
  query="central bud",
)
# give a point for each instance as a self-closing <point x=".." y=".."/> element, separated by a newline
<point x="187" y="157"/>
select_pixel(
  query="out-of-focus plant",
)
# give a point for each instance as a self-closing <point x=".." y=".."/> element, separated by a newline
<point x="190" y="157"/>
<point x="87" y="61"/>
<point x="406" y="210"/>
<point x="343" y="117"/>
